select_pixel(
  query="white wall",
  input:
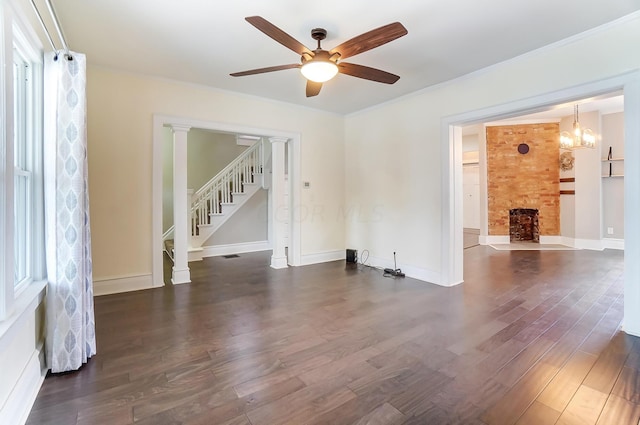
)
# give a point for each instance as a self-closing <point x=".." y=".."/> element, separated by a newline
<point x="471" y="194"/>
<point x="167" y="179"/>
<point x="120" y="119"/>
<point x="567" y="202"/>
<point x="394" y="151"/>
<point x="208" y="153"/>
<point x="471" y="181"/>
<point x="613" y="188"/>
<point x="248" y="224"/>
<point x="587" y="218"/>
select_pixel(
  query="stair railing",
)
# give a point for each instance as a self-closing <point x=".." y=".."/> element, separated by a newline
<point x="220" y="189"/>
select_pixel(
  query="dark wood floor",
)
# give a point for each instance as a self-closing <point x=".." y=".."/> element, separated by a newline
<point x="530" y="338"/>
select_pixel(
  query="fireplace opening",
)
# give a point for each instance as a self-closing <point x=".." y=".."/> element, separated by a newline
<point x="523" y="225"/>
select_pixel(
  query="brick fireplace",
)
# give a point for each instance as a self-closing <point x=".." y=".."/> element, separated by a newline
<point x="523" y="178"/>
<point x="523" y="225"/>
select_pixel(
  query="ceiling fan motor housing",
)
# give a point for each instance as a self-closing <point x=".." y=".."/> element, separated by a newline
<point x="319" y="34"/>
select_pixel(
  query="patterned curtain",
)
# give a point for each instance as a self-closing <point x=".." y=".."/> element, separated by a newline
<point x="70" y="338"/>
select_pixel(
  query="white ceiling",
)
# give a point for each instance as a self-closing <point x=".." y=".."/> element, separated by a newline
<point x="202" y="41"/>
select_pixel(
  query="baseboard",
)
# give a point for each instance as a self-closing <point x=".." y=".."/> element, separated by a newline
<point x="193" y="254"/>
<point x="591" y="244"/>
<point x="414" y="272"/>
<point x="322" y="257"/>
<point x="236" y="248"/>
<point x="553" y="240"/>
<point x="611" y="243"/>
<point x="594" y="244"/>
<point x="122" y="284"/>
<point x="279" y="262"/>
<point x="19" y="403"/>
<point x="495" y="239"/>
<point x="630" y="331"/>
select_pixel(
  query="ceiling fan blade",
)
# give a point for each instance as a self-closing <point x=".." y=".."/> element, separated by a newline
<point x="370" y="40"/>
<point x="263" y="70"/>
<point x="367" y="73"/>
<point x="313" y="88"/>
<point x="277" y="34"/>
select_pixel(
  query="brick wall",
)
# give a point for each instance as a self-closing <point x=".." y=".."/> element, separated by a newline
<point x="531" y="180"/>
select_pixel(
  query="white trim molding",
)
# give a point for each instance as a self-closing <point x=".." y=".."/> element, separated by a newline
<point x="235" y="248"/>
<point x="418" y="273"/>
<point x="590" y="244"/>
<point x="552" y="240"/>
<point x="494" y="239"/>
<point x="18" y="406"/>
<point x="323" y="257"/>
<point x="611" y="243"/>
<point x="122" y="284"/>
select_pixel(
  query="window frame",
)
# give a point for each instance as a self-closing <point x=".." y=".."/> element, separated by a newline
<point x="18" y="41"/>
<point x="24" y="150"/>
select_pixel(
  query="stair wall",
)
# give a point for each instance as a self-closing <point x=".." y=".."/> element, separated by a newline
<point x="248" y="224"/>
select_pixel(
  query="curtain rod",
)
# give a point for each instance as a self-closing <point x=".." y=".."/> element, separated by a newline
<point x="56" y="23"/>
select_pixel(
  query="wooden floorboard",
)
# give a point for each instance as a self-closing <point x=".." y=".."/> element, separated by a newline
<point x="531" y="337"/>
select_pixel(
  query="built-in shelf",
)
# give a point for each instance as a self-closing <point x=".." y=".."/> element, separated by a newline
<point x="617" y="168"/>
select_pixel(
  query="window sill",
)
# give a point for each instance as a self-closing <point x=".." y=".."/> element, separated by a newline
<point x="26" y="303"/>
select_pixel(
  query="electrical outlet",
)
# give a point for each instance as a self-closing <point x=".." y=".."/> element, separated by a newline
<point x="609" y="230"/>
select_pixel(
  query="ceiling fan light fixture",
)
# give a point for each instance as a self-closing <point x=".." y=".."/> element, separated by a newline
<point x="319" y="71"/>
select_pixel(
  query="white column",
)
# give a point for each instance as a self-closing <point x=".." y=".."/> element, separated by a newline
<point x="278" y="258"/>
<point x="181" y="205"/>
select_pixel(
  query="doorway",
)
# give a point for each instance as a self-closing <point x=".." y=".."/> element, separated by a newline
<point x="293" y="186"/>
<point x="452" y="229"/>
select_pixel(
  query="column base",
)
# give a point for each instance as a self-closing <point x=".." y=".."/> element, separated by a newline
<point x="279" y="262"/>
<point x="180" y="276"/>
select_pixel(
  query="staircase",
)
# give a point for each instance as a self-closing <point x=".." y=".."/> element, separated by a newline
<point x="218" y="199"/>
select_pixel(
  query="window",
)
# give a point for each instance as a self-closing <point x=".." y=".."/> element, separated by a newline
<point x="21" y="187"/>
<point x="23" y="182"/>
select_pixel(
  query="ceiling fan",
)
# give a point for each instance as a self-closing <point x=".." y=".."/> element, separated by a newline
<point x="321" y="65"/>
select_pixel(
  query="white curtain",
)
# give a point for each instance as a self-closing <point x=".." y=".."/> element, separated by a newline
<point x="70" y="338"/>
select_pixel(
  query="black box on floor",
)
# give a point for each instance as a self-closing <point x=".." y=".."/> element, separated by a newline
<point x="352" y="256"/>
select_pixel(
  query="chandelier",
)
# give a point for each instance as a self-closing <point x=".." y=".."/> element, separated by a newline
<point x="579" y="138"/>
